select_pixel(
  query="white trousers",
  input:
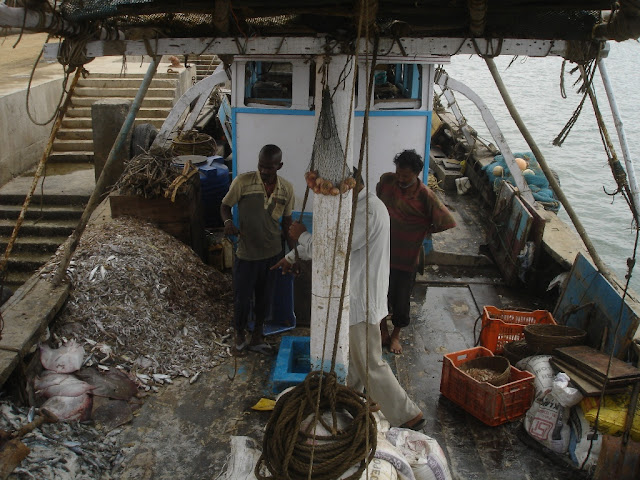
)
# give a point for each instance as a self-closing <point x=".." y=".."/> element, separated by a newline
<point x="384" y="388"/>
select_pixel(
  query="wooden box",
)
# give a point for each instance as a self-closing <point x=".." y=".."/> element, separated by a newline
<point x="182" y="218"/>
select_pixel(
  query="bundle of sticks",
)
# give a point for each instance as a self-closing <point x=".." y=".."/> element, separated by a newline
<point x="154" y="175"/>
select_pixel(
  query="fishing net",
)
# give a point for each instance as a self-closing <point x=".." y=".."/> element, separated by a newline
<point x="328" y="173"/>
<point x="537" y="181"/>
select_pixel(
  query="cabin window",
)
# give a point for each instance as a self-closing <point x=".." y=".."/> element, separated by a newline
<point x="268" y="83"/>
<point x="397" y="86"/>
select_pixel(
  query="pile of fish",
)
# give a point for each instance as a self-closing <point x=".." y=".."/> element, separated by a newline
<point x="143" y="302"/>
<point x="60" y="450"/>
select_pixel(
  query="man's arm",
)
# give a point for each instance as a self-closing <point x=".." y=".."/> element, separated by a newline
<point x="286" y="223"/>
<point x="225" y="214"/>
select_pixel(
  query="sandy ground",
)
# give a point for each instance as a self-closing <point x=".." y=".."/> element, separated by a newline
<point x="17" y="62"/>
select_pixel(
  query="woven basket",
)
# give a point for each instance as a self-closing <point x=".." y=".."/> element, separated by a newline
<point x="194" y="143"/>
<point x="516" y="351"/>
<point x="499" y="365"/>
<point x="545" y="338"/>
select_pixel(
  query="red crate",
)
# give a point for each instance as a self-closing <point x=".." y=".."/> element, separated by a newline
<point x="489" y="404"/>
<point x="504" y="326"/>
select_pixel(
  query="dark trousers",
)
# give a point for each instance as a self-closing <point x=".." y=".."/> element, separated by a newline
<point x="253" y="281"/>
<point x="399" y="297"/>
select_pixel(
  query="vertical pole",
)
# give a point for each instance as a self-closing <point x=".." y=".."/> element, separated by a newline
<point x="631" y="174"/>
<point x="98" y="191"/>
<point x="330" y="239"/>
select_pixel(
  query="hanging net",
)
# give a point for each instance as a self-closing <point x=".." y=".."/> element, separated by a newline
<point x="328" y="173"/>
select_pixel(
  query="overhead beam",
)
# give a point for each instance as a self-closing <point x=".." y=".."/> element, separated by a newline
<point x="425" y="49"/>
<point x="18" y="17"/>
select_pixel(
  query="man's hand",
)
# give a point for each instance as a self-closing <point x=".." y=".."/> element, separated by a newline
<point x="295" y="230"/>
<point x="285" y="265"/>
<point x="230" y="229"/>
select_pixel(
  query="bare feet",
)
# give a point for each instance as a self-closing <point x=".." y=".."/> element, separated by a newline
<point x="416" y="423"/>
<point x="384" y="333"/>
<point x="394" y="341"/>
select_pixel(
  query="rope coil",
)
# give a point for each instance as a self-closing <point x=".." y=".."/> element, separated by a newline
<point x="292" y="452"/>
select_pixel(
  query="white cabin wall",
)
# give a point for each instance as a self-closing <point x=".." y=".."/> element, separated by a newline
<point x="292" y="133"/>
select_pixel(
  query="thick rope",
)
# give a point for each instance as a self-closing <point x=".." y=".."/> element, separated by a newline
<point x="292" y="453"/>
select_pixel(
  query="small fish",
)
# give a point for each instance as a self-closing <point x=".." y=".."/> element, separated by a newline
<point x="193" y="379"/>
<point x="93" y="272"/>
<point x="31" y="415"/>
<point x="104" y="368"/>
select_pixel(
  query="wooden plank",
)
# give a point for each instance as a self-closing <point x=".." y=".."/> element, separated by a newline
<point x="419" y="50"/>
<point x="587" y="285"/>
<point x="152" y="209"/>
<point x="509" y="232"/>
<point x="593" y="361"/>
<point x="25" y="321"/>
<point x="585" y="385"/>
<point x="8" y="362"/>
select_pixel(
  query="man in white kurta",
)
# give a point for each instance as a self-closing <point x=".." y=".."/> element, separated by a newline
<point x="384" y="388"/>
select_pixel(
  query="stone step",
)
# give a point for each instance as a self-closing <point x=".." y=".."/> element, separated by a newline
<point x="71" y="157"/>
<point x="85" y="122"/>
<point x="27" y="261"/>
<point x="116" y="92"/>
<point x="125" y="82"/>
<point x="35" y="227"/>
<point x="157" y="76"/>
<point x="15" y="280"/>
<point x="146" y="102"/>
<point x="85" y="112"/>
<point x="73" y="146"/>
<point x="36" y="211"/>
<point x="33" y="244"/>
<point x="37" y="199"/>
<point x="75" y="134"/>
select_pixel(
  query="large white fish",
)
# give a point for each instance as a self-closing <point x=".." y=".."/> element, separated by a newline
<point x="51" y="384"/>
<point x="66" y="359"/>
<point x="70" y="408"/>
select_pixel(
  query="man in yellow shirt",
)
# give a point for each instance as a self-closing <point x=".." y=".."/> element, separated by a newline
<point x="262" y="198"/>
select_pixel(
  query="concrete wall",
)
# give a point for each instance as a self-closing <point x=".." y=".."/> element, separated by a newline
<point x="21" y="141"/>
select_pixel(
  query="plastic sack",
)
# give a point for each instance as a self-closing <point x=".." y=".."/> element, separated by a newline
<point x="540" y="366"/>
<point x="242" y="460"/>
<point x="613" y="414"/>
<point x="388" y="452"/>
<point x="566" y="395"/>
<point x="547" y="422"/>
<point x="378" y="470"/>
<point x="582" y="439"/>
<point x="423" y="453"/>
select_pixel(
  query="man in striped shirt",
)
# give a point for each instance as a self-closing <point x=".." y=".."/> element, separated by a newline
<point x="415" y="212"/>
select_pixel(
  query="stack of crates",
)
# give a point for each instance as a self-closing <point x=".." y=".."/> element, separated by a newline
<point x="504" y="326"/>
<point x="488" y="403"/>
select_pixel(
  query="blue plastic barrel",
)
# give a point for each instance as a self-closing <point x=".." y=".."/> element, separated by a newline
<point x="214" y="185"/>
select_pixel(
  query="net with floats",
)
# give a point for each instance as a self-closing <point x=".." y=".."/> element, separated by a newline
<point x="328" y="173"/>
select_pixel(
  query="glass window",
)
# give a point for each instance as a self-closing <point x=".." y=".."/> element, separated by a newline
<point x="398" y="86"/>
<point x="268" y="83"/>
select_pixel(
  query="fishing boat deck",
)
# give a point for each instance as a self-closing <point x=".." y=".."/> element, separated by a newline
<point x="184" y="432"/>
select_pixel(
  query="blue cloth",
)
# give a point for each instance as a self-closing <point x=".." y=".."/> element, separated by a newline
<point x="538" y="183"/>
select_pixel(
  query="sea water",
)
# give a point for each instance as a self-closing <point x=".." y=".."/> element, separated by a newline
<point x="581" y="162"/>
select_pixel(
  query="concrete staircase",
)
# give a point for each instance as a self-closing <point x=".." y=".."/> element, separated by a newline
<point x="74" y="142"/>
<point x="44" y="229"/>
<point x="205" y="65"/>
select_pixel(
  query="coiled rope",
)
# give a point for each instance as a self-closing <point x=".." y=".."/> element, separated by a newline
<point x="292" y="453"/>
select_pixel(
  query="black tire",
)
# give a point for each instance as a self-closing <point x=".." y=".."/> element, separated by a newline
<point x="142" y="137"/>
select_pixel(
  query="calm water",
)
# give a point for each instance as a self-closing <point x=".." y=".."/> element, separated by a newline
<point x="534" y="85"/>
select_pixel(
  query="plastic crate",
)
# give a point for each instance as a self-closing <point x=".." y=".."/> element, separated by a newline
<point x="504" y="326"/>
<point x="489" y="404"/>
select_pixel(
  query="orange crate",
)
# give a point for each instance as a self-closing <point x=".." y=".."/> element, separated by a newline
<point x="504" y="326"/>
<point x="489" y="404"/>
